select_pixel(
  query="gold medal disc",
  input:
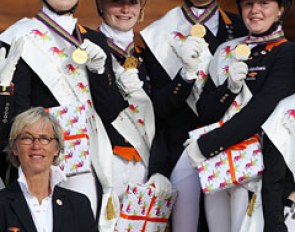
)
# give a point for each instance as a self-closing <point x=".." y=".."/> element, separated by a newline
<point x="80" y="56"/>
<point x="131" y="62"/>
<point x="198" y="30"/>
<point x="242" y="52"/>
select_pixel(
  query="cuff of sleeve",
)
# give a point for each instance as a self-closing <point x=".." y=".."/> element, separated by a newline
<point x="187" y="77"/>
<point x="7" y="90"/>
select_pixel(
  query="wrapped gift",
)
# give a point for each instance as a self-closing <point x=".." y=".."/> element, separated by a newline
<point x="236" y="165"/>
<point x="141" y="211"/>
<point x="74" y="119"/>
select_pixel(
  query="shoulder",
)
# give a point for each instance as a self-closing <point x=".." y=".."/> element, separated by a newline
<point x="71" y="195"/>
<point x="93" y="35"/>
<point x="10" y="192"/>
<point x="285" y="52"/>
<point x="287" y="46"/>
<point x="20" y="28"/>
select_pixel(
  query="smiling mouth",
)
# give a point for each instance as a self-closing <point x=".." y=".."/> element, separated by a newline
<point x="125" y="18"/>
<point x="37" y="156"/>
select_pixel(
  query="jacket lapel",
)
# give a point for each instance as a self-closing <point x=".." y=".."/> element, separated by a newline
<point x="222" y="32"/>
<point x="20" y="207"/>
<point x="59" y="209"/>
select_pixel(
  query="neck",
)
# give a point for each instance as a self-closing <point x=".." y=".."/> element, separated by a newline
<point x="61" y="12"/>
<point x="202" y="4"/>
<point x="39" y="185"/>
<point x="275" y="27"/>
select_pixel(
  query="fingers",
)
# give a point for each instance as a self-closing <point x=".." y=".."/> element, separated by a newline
<point x="93" y="50"/>
<point x="238" y="70"/>
<point x="163" y="187"/>
<point x="132" y="71"/>
<point x="243" y="68"/>
<point x="85" y="44"/>
<point x="15" y="51"/>
<point x="189" y="141"/>
<point x="163" y="191"/>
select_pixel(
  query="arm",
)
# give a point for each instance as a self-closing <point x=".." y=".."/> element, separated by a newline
<point x="107" y="99"/>
<point x="278" y="83"/>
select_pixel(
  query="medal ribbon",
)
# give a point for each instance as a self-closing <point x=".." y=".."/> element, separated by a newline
<point x="204" y="17"/>
<point x="273" y="37"/>
<point x="52" y="25"/>
<point x="117" y="51"/>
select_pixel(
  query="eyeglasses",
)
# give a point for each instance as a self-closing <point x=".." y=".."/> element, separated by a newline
<point x="30" y="139"/>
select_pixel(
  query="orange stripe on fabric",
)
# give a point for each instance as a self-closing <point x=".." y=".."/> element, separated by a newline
<point x="128" y="153"/>
<point x="77" y="136"/>
<point x="270" y="46"/>
<point x="224" y="16"/>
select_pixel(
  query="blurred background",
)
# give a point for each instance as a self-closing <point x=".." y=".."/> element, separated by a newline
<point x="12" y="10"/>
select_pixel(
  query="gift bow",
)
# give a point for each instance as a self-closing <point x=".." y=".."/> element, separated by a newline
<point x="145" y="218"/>
<point x="240" y="146"/>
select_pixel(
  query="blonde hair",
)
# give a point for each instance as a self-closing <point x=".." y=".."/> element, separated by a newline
<point x="28" y="118"/>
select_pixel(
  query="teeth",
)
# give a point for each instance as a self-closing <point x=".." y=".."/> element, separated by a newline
<point x="36" y="156"/>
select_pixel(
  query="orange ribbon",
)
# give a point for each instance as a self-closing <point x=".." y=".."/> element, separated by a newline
<point x="240" y="146"/>
<point x="128" y="153"/>
<point x="145" y="218"/>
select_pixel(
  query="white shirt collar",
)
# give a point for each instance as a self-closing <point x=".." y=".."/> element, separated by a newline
<point x="212" y="23"/>
<point x="56" y="177"/>
<point x="67" y="22"/>
<point x="198" y="11"/>
<point x="121" y="38"/>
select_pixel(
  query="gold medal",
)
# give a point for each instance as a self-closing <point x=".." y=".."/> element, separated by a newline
<point x="80" y="56"/>
<point x="242" y="52"/>
<point x="198" y="30"/>
<point x="131" y="62"/>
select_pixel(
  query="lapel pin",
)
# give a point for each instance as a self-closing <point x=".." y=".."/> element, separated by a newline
<point x="59" y="202"/>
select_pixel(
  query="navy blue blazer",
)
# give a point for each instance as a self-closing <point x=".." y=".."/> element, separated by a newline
<point x="71" y="211"/>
